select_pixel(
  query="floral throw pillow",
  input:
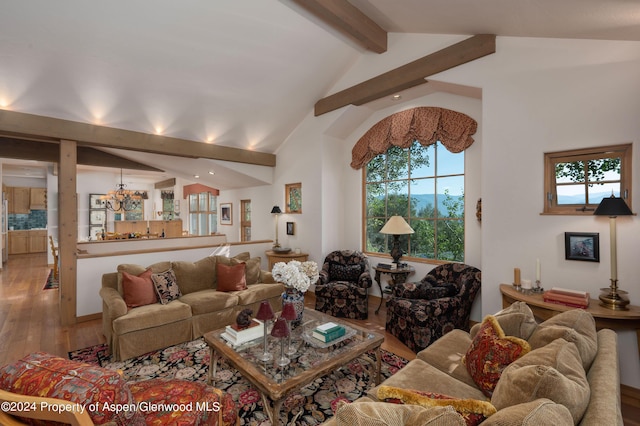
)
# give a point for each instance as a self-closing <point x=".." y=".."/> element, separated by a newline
<point x="339" y="272"/>
<point x="166" y="286"/>
<point x="490" y="353"/>
<point x="473" y="411"/>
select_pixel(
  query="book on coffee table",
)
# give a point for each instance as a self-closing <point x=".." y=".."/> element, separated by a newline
<point x="328" y="332"/>
<point x="236" y="336"/>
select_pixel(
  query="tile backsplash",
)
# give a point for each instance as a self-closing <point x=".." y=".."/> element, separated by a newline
<point x="35" y="219"/>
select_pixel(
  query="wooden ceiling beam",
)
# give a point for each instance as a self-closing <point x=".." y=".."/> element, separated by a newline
<point x="409" y="75"/>
<point x="37" y="127"/>
<point x="349" y="20"/>
<point x="50" y="152"/>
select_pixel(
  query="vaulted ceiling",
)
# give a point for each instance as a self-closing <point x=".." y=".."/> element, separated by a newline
<point x="240" y="73"/>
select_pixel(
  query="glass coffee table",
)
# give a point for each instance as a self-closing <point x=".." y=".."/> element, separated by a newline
<point x="313" y="358"/>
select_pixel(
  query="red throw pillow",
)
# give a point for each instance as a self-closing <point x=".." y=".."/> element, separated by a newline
<point x="138" y="290"/>
<point x="490" y="353"/>
<point x="231" y="278"/>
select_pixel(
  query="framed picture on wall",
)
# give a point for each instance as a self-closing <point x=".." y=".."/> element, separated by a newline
<point x="95" y="202"/>
<point x="97" y="217"/>
<point x="293" y="197"/>
<point x="582" y="246"/>
<point x="226" y="214"/>
<point x="290" y="228"/>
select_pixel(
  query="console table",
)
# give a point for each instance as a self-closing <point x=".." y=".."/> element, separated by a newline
<point x="604" y="317"/>
<point x="398" y="276"/>
<point x="285" y="257"/>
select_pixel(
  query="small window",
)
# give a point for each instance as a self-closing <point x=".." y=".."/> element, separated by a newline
<point x="577" y="180"/>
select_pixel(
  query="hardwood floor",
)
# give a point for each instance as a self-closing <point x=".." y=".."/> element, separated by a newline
<point x="30" y="320"/>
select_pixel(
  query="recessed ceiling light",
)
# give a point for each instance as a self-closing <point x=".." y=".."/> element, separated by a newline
<point x="396" y="97"/>
<point x="196" y="176"/>
<point x="211" y="172"/>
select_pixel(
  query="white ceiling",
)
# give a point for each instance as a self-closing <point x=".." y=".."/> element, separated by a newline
<point x="240" y="73"/>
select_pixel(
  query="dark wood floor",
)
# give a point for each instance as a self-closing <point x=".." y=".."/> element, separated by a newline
<point x="30" y="320"/>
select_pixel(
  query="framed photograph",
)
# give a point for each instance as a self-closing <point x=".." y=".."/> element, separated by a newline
<point x="293" y="197"/>
<point x="95" y="232"/>
<point x="290" y="228"/>
<point x="226" y="214"/>
<point x="582" y="246"/>
<point x="95" y="202"/>
<point x="97" y="217"/>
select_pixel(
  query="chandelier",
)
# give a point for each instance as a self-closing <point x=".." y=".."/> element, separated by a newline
<point x="123" y="199"/>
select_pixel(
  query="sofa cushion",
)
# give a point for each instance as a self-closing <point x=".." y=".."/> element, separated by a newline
<point x="231" y="278"/>
<point x="535" y="413"/>
<point x="554" y="371"/>
<point x="166" y="286"/>
<point x="207" y="301"/>
<point x="195" y="276"/>
<point x="473" y="411"/>
<point x="134" y="269"/>
<point x="490" y="353"/>
<point x="148" y="316"/>
<point x="342" y="272"/>
<point x="446" y="354"/>
<point x="516" y="320"/>
<point x="421" y="376"/>
<point x="384" y="414"/>
<point x="252" y="269"/>
<point x="575" y="325"/>
<point x="258" y="292"/>
<point x="44" y="375"/>
<point x="138" y="290"/>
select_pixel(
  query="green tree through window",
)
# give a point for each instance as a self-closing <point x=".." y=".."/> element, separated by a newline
<point x="425" y="185"/>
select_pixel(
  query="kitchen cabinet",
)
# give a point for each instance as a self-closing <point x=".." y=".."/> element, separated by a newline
<point x="19" y="199"/>
<point x="38" y="199"/>
<point x="26" y="241"/>
<point x="172" y="228"/>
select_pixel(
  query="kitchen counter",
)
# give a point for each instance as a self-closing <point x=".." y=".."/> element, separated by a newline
<point x="22" y="241"/>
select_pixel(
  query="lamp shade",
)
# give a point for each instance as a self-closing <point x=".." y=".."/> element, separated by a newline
<point x="396" y="225"/>
<point x="276" y="210"/>
<point x="289" y="312"/>
<point x="280" y="328"/>
<point x="265" y="312"/>
<point x="613" y="207"/>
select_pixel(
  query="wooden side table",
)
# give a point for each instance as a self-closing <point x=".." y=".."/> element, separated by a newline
<point x="604" y="317"/>
<point x="285" y="257"/>
<point x="398" y="276"/>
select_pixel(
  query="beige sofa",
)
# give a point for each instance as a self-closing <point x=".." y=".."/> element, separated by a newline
<point x="569" y="376"/>
<point x="201" y="308"/>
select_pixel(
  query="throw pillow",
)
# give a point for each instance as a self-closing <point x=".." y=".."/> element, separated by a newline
<point x="490" y="353"/>
<point x="138" y="290"/>
<point x="44" y="375"/>
<point x="195" y="276"/>
<point x="554" y="372"/>
<point x="384" y="414"/>
<point x="577" y="326"/>
<point x="472" y="411"/>
<point x="340" y="272"/>
<point x="231" y="278"/>
<point x="542" y="411"/>
<point x="166" y="286"/>
<point x="252" y="269"/>
<point x="516" y="320"/>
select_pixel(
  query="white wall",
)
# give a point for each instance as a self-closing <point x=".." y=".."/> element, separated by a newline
<point x="538" y="95"/>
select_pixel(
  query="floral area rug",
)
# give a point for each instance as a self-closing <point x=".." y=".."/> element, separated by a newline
<point x="51" y="282"/>
<point x="311" y="405"/>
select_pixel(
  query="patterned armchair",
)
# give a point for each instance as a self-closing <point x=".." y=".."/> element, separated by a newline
<point x="343" y="287"/>
<point x="420" y="313"/>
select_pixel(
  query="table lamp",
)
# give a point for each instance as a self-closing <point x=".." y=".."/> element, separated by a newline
<point x="280" y="331"/>
<point x="276" y="210"/>
<point x="611" y="297"/>
<point x="396" y="226"/>
<point x="289" y="314"/>
<point x="265" y="313"/>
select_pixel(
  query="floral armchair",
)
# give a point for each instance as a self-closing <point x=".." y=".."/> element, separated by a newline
<point x="342" y="289"/>
<point x="420" y="313"/>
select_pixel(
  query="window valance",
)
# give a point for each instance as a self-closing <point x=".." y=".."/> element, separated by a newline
<point x="426" y="125"/>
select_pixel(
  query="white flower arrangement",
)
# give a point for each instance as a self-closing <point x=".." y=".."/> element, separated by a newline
<point x="295" y="274"/>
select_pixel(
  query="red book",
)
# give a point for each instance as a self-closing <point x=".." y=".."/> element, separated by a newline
<point x="565" y="299"/>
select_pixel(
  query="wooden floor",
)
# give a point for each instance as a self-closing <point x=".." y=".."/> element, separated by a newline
<point x="30" y="320"/>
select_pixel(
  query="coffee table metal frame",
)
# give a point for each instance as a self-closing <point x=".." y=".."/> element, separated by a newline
<point x="261" y="375"/>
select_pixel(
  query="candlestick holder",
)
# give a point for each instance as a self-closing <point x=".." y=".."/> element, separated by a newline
<point x="537" y="288"/>
<point x="518" y="287"/>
